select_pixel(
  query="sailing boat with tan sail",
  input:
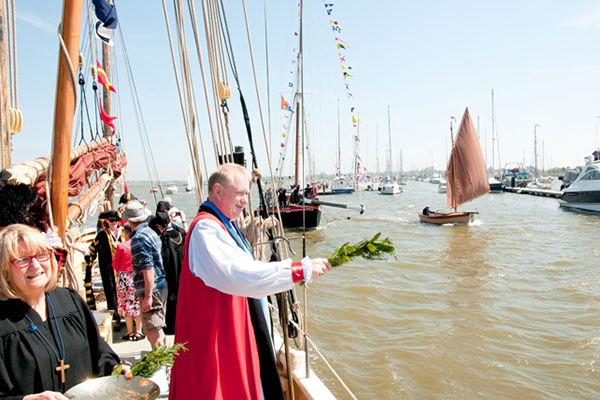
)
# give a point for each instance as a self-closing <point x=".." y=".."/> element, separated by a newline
<point x="466" y="175"/>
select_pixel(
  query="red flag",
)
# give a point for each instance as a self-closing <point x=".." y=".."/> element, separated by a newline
<point x="103" y="79"/>
<point x="107" y="119"/>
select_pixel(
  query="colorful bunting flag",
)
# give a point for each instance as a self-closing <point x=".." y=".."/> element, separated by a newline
<point x="103" y="79"/>
<point x="107" y="119"/>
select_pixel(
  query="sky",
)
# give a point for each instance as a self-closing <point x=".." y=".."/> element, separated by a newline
<point x="425" y="61"/>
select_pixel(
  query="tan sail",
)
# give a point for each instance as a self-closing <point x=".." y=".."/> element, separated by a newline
<point x="466" y="174"/>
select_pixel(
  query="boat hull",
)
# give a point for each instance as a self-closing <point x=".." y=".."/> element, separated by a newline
<point x="390" y="189"/>
<point x="448" y="218"/>
<point x="342" y="191"/>
<point x="292" y="216"/>
<point x="496" y="187"/>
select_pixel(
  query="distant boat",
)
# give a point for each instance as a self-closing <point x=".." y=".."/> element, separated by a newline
<point x="443" y="187"/>
<point x="341" y="185"/>
<point x="154" y="190"/>
<point x="466" y="175"/>
<point x="584" y="193"/>
<point x="495" y="185"/>
<point x="190" y="180"/>
<point x="171" y="189"/>
<point x="390" y="188"/>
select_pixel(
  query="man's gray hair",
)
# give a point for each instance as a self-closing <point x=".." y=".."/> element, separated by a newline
<point x="224" y="175"/>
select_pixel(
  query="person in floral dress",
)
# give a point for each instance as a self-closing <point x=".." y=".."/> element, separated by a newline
<point x="129" y="306"/>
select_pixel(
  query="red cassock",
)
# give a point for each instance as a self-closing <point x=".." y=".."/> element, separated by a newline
<point x="222" y="360"/>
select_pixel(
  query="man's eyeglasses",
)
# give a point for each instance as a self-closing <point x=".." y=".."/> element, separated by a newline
<point x="26" y="261"/>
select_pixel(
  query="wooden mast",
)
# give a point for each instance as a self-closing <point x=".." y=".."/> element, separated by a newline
<point x="453" y="161"/>
<point x="107" y="130"/>
<point x="4" y="112"/>
<point x="66" y="94"/>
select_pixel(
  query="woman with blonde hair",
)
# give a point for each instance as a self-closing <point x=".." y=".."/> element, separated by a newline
<point x="49" y="340"/>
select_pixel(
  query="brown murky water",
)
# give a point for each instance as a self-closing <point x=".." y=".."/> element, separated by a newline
<point x="507" y="308"/>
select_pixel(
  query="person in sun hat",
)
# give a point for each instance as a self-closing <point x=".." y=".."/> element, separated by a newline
<point x="148" y="272"/>
<point x="103" y="247"/>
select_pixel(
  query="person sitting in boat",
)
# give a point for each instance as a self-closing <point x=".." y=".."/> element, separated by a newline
<point x="222" y="313"/>
<point x="427" y="211"/>
<point x="49" y="339"/>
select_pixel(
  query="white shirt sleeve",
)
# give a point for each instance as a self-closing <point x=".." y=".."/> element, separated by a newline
<point x="215" y="258"/>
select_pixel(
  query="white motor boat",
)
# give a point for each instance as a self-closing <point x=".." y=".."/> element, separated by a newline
<point x="584" y="192"/>
<point x="442" y="187"/>
<point x="390" y="188"/>
<point x="171" y="189"/>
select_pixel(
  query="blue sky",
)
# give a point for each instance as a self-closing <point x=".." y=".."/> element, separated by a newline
<point x="427" y="61"/>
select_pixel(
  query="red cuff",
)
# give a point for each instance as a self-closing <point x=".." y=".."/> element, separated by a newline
<point x="297" y="272"/>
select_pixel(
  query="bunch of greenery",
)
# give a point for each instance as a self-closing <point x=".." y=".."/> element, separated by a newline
<point x="160" y="356"/>
<point x="367" y="248"/>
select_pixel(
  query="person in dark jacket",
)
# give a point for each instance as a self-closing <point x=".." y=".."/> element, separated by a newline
<point x="172" y="237"/>
<point x="103" y="247"/>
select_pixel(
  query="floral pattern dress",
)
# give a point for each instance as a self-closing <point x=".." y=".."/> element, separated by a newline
<point x="129" y="306"/>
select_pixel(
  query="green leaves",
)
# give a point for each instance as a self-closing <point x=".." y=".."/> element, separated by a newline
<point x="160" y="356"/>
<point x="367" y="248"/>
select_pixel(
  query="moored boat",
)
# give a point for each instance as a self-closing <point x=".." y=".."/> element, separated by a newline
<point x="584" y="193"/>
<point x="390" y="188"/>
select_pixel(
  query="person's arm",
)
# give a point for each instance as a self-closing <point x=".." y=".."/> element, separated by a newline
<point x="148" y="286"/>
<point x="220" y="263"/>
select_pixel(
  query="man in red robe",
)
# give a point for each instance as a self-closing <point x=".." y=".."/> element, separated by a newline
<point x="222" y="315"/>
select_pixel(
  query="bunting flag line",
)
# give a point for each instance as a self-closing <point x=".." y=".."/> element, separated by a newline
<point x="107" y="119"/>
<point x="103" y="79"/>
<point x="107" y="20"/>
<point x="285" y="105"/>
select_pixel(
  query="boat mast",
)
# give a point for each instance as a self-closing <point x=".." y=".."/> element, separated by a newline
<point x="338" y="161"/>
<point x="299" y="111"/>
<point x="535" y="153"/>
<point x="4" y="112"/>
<point x="493" y="133"/>
<point x="453" y="161"/>
<point x="64" y="110"/>
<point x="389" y="145"/>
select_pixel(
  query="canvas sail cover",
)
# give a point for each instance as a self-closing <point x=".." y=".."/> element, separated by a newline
<point x="466" y="175"/>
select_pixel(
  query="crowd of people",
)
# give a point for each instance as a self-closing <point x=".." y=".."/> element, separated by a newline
<point x="202" y="284"/>
<point x="295" y="195"/>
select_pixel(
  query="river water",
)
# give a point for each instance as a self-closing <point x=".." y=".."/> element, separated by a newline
<point x="506" y="308"/>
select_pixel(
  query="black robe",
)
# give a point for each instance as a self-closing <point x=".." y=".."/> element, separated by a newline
<point x="104" y="246"/>
<point x="172" y="240"/>
<point x="27" y="364"/>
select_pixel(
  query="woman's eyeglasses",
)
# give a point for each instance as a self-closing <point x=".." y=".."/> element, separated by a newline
<point x="26" y="261"/>
<point x="114" y="219"/>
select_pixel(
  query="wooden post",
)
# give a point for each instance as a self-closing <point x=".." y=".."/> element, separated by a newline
<point x="66" y="94"/>
<point x="4" y="92"/>
<point x="106" y="92"/>
<point x="297" y="167"/>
